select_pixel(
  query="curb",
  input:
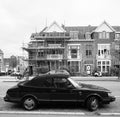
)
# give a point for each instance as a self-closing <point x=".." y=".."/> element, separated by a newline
<point x="113" y="80"/>
<point x="55" y="113"/>
<point x="10" y="81"/>
<point x="42" y="112"/>
<point x="110" y="114"/>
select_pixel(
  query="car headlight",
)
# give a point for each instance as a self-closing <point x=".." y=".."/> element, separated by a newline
<point x="110" y="94"/>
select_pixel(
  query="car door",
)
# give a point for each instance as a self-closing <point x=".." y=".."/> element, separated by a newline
<point x="42" y="88"/>
<point x="62" y="91"/>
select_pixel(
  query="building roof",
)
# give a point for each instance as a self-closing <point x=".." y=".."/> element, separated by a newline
<point x="82" y="29"/>
<point x="54" y="27"/>
<point x="1" y="52"/>
<point x="117" y="28"/>
<point x="104" y="26"/>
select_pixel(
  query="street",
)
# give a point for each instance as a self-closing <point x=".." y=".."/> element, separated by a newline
<point x="70" y="110"/>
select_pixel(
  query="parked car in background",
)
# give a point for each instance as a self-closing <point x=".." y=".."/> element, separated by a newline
<point x="15" y="73"/>
<point x="97" y="74"/>
<point x="58" y="72"/>
<point x="9" y="72"/>
<point x="57" y="88"/>
<point x="2" y="73"/>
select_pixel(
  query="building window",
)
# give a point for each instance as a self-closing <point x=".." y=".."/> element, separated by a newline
<point x="73" y="53"/>
<point x="107" y="35"/>
<point x="100" y="35"/>
<point x="117" y="36"/>
<point x="103" y="66"/>
<point x="87" y="35"/>
<point x="88" y="50"/>
<point x="74" y="34"/>
<point x="103" y="50"/>
<point x="104" y="35"/>
<point x="41" y="54"/>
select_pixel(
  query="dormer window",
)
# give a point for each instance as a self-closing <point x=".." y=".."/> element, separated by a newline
<point x="74" y="34"/>
<point x="117" y="35"/>
<point x="87" y="35"/>
<point x="104" y="35"/>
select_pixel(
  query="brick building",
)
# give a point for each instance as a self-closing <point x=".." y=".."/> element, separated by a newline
<point x="81" y="49"/>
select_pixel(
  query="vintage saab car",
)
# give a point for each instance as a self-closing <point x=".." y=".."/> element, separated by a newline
<point x="57" y="88"/>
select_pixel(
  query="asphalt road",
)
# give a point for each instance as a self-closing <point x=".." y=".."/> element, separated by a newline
<point x="56" y="109"/>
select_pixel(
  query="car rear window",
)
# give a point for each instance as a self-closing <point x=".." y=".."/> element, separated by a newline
<point x="41" y="82"/>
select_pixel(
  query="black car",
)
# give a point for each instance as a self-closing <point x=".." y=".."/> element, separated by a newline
<point x="57" y="88"/>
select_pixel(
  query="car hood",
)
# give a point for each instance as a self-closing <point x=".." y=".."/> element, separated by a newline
<point x="23" y="83"/>
<point x="93" y="87"/>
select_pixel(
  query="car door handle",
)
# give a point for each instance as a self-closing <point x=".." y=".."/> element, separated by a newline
<point x="53" y="90"/>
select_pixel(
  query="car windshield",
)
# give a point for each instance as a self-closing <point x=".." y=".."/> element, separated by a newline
<point x="75" y="84"/>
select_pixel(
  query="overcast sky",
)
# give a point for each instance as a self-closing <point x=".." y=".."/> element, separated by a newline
<point x="20" y="18"/>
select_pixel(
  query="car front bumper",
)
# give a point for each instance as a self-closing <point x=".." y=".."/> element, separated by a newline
<point x="109" y="99"/>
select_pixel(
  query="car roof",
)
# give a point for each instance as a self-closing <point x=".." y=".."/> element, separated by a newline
<point x="56" y="75"/>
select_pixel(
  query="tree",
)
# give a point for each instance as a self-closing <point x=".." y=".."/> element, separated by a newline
<point x="13" y="61"/>
<point x="115" y="54"/>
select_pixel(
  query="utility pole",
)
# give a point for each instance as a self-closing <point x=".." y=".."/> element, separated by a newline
<point x="119" y="61"/>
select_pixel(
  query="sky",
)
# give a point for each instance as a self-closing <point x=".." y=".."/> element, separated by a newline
<point x="20" y="18"/>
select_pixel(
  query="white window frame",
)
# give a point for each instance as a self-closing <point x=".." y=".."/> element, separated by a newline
<point x="87" y="35"/>
<point x="117" y="35"/>
<point x="101" y="48"/>
<point x="74" y="34"/>
<point x="76" y="46"/>
<point x="104" y="35"/>
<point x="101" y="65"/>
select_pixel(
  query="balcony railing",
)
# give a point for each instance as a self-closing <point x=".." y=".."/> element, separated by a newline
<point x="49" y="56"/>
<point x="54" y="45"/>
<point x="47" y="46"/>
<point x="37" y="57"/>
<point x="54" y="56"/>
<point x="52" y="35"/>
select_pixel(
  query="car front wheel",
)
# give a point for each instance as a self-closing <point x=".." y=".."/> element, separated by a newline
<point x="29" y="103"/>
<point x="92" y="103"/>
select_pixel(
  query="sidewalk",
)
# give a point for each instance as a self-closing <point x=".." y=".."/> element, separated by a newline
<point x="11" y="79"/>
<point x="77" y="78"/>
<point x="92" y="78"/>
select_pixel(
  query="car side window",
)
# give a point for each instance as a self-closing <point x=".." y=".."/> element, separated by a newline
<point x="42" y="82"/>
<point x="61" y="82"/>
<point x="48" y="82"/>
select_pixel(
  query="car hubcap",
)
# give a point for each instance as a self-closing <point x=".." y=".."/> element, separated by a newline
<point x="29" y="104"/>
<point x="94" y="104"/>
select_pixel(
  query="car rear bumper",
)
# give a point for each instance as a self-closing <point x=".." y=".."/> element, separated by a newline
<point x="11" y="99"/>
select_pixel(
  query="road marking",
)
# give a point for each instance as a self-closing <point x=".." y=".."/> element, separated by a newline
<point x="110" y="114"/>
<point x="42" y="112"/>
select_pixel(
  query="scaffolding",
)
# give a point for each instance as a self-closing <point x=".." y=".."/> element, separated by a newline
<point x="48" y="50"/>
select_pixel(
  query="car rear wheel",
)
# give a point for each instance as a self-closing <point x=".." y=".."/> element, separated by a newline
<point x="92" y="103"/>
<point x="29" y="103"/>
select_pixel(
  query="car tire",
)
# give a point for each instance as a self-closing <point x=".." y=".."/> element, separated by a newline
<point x="92" y="103"/>
<point x="29" y="103"/>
